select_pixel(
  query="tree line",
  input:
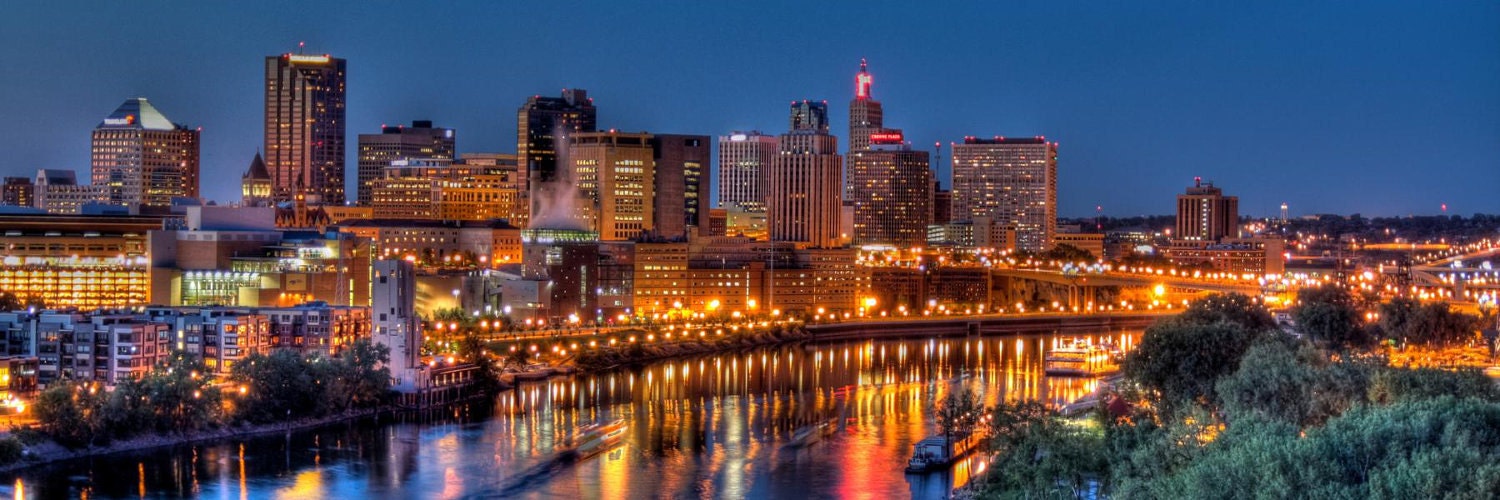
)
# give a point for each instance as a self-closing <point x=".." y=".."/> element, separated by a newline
<point x="1220" y="402"/>
<point x="178" y="396"/>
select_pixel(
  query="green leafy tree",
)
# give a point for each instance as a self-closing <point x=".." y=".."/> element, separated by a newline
<point x="1330" y="315"/>
<point x="1274" y="381"/>
<point x="360" y="377"/>
<point x="958" y="413"/>
<point x="1182" y="362"/>
<point x="1235" y="308"/>
<point x="1392" y="385"/>
<point x="176" y="396"/>
<point x="281" y="385"/>
<point x="72" y="413"/>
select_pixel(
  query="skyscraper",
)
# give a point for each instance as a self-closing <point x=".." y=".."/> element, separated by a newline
<point x="616" y="182"/>
<point x="682" y="181"/>
<point x="305" y="126"/>
<point x="1204" y="213"/>
<point x="539" y="122"/>
<point x="377" y="151"/>
<point x="1013" y="182"/>
<point x="890" y="186"/>
<point x="865" y="114"/>
<point x="805" y="197"/>
<point x="142" y="158"/>
<point x="745" y="170"/>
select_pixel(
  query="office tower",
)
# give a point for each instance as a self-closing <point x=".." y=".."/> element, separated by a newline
<point x="616" y="182"/>
<point x="682" y="181"/>
<point x="1204" y="213"/>
<point x="304" y="148"/>
<point x="143" y="158"/>
<point x="255" y="185"/>
<point x="18" y="192"/>
<point x="805" y="199"/>
<point x="744" y="170"/>
<point x="393" y="297"/>
<point x="890" y="187"/>
<point x="377" y="151"/>
<point x="539" y="124"/>
<point x="865" y="114"/>
<point x="1011" y="180"/>
<point x="942" y="203"/>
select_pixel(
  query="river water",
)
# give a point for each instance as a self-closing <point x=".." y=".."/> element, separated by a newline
<point x="715" y="426"/>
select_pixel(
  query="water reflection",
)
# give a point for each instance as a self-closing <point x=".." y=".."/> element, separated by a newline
<point x="715" y="426"/>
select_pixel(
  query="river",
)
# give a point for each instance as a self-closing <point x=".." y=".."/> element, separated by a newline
<point x="714" y="426"/>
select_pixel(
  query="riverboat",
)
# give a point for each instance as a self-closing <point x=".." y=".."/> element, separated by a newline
<point x="811" y="434"/>
<point x="1080" y="358"/>
<point x="597" y="438"/>
<point x="937" y="452"/>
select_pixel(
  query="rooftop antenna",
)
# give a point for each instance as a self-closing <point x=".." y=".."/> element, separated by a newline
<point x="300" y="46"/>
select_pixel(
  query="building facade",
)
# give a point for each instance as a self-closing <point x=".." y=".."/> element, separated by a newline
<point x="143" y="158"/>
<point x="616" y="175"/>
<point x="440" y="189"/>
<point x="1204" y="213"/>
<point x="890" y="187"/>
<point x="1012" y="180"/>
<point x="377" y="151"/>
<point x="745" y="170"/>
<point x="865" y="113"/>
<point x="304" y="126"/>
<point x="542" y="125"/>
<point x="805" y="199"/>
<point x="18" y="192"/>
<point x="682" y="179"/>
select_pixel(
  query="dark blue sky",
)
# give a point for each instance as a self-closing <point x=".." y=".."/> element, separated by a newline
<point x="1382" y="108"/>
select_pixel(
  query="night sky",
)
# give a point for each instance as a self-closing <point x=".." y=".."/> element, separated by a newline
<point x="1380" y="108"/>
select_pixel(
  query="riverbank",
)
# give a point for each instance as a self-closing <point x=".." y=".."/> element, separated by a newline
<point x="48" y="451"/>
<point x="636" y="353"/>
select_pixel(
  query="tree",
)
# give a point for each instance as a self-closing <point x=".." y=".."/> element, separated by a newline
<point x="1181" y="362"/>
<point x="176" y="396"/>
<point x="1233" y="308"/>
<point x="71" y="413"/>
<point x="280" y="385"/>
<point x="1393" y="385"/>
<point x="1329" y="315"/>
<point x="1274" y="382"/>
<point x="361" y="378"/>
<point x="958" y="414"/>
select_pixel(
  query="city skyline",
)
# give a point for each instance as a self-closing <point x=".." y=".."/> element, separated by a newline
<point x="1248" y="98"/>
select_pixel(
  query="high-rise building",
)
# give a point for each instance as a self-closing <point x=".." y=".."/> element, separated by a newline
<point x="616" y="182"/>
<point x="304" y="149"/>
<point x="1011" y="180"/>
<point x="682" y="181"/>
<point x="865" y="114"/>
<point x="745" y="170"/>
<point x="1204" y="213"/>
<point x="143" y="158"/>
<point x="942" y="203"/>
<point x="18" y="192"/>
<point x="539" y="124"/>
<point x="255" y="185"/>
<point x="890" y="186"/>
<point x="805" y="199"/>
<point x="377" y="151"/>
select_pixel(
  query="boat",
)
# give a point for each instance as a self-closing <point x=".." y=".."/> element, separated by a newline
<point x="596" y="438"/>
<point x="811" y="434"/>
<point x="1079" y="358"/>
<point x="937" y="452"/>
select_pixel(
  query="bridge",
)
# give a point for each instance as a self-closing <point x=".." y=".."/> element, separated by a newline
<point x="981" y="325"/>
